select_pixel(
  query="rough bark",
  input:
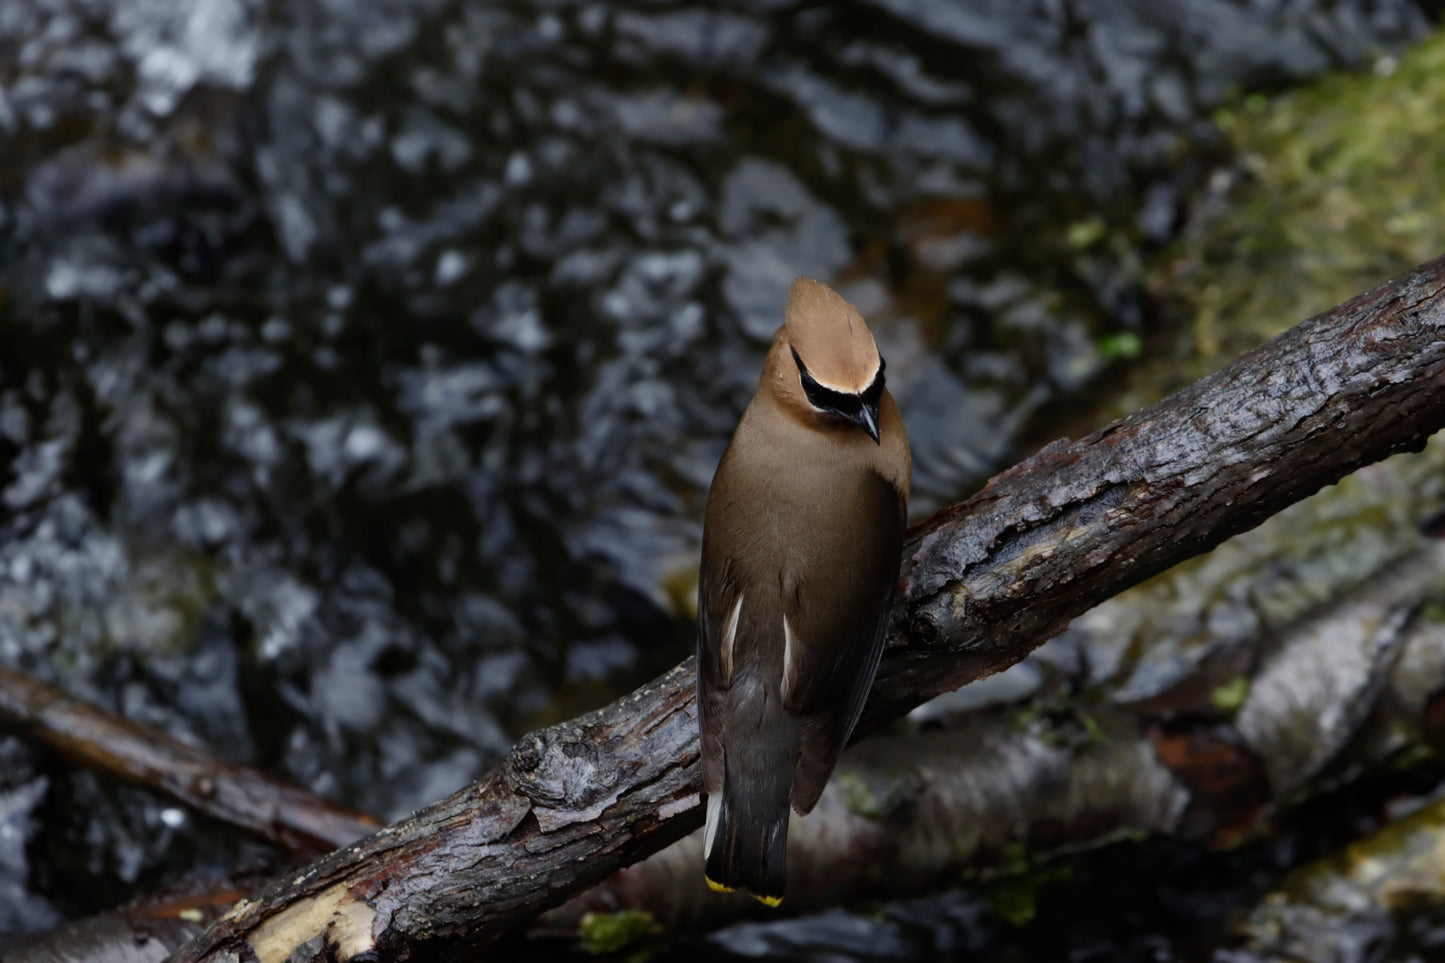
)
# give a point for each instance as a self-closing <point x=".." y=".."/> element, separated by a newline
<point x="268" y="808"/>
<point x="1082" y="520"/>
<point x="984" y="583"/>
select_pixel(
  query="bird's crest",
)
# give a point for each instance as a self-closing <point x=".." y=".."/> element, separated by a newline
<point x="830" y="337"/>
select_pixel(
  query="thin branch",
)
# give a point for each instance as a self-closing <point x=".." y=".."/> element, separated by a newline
<point x="266" y="807"/>
<point x="984" y="583"/>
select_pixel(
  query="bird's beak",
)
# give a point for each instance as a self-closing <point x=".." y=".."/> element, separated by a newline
<point x="868" y="420"/>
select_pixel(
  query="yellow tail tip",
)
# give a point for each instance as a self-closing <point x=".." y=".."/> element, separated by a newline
<point x="716" y="887"/>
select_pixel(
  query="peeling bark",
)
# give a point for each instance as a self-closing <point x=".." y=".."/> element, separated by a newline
<point x="268" y="808"/>
<point x="985" y="582"/>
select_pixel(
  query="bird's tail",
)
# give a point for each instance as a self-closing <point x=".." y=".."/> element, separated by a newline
<point x="746" y="841"/>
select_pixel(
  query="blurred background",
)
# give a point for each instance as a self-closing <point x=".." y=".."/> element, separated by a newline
<point x="364" y="363"/>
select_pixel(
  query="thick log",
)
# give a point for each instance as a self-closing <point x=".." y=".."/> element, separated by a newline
<point x="268" y="808"/>
<point x="984" y="583"/>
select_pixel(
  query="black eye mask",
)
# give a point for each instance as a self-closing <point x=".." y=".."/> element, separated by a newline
<point x="840" y="403"/>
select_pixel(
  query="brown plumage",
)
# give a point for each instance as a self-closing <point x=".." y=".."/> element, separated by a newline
<point x="800" y="561"/>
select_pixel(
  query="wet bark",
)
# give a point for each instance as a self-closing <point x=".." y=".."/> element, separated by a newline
<point x="268" y="808"/>
<point x="984" y="583"/>
<point x="1082" y="520"/>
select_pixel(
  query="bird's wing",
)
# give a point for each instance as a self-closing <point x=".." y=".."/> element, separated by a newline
<point x="834" y="651"/>
<point x="717" y="597"/>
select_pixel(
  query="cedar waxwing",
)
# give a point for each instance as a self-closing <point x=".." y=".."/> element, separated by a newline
<point x="800" y="558"/>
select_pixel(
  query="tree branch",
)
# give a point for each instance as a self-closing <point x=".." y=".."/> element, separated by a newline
<point x="984" y="583"/>
<point x="997" y="574"/>
<point x="266" y="807"/>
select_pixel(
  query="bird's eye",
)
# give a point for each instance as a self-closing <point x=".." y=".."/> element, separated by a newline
<point x="826" y="399"/>
<point x="873" y="394"/>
